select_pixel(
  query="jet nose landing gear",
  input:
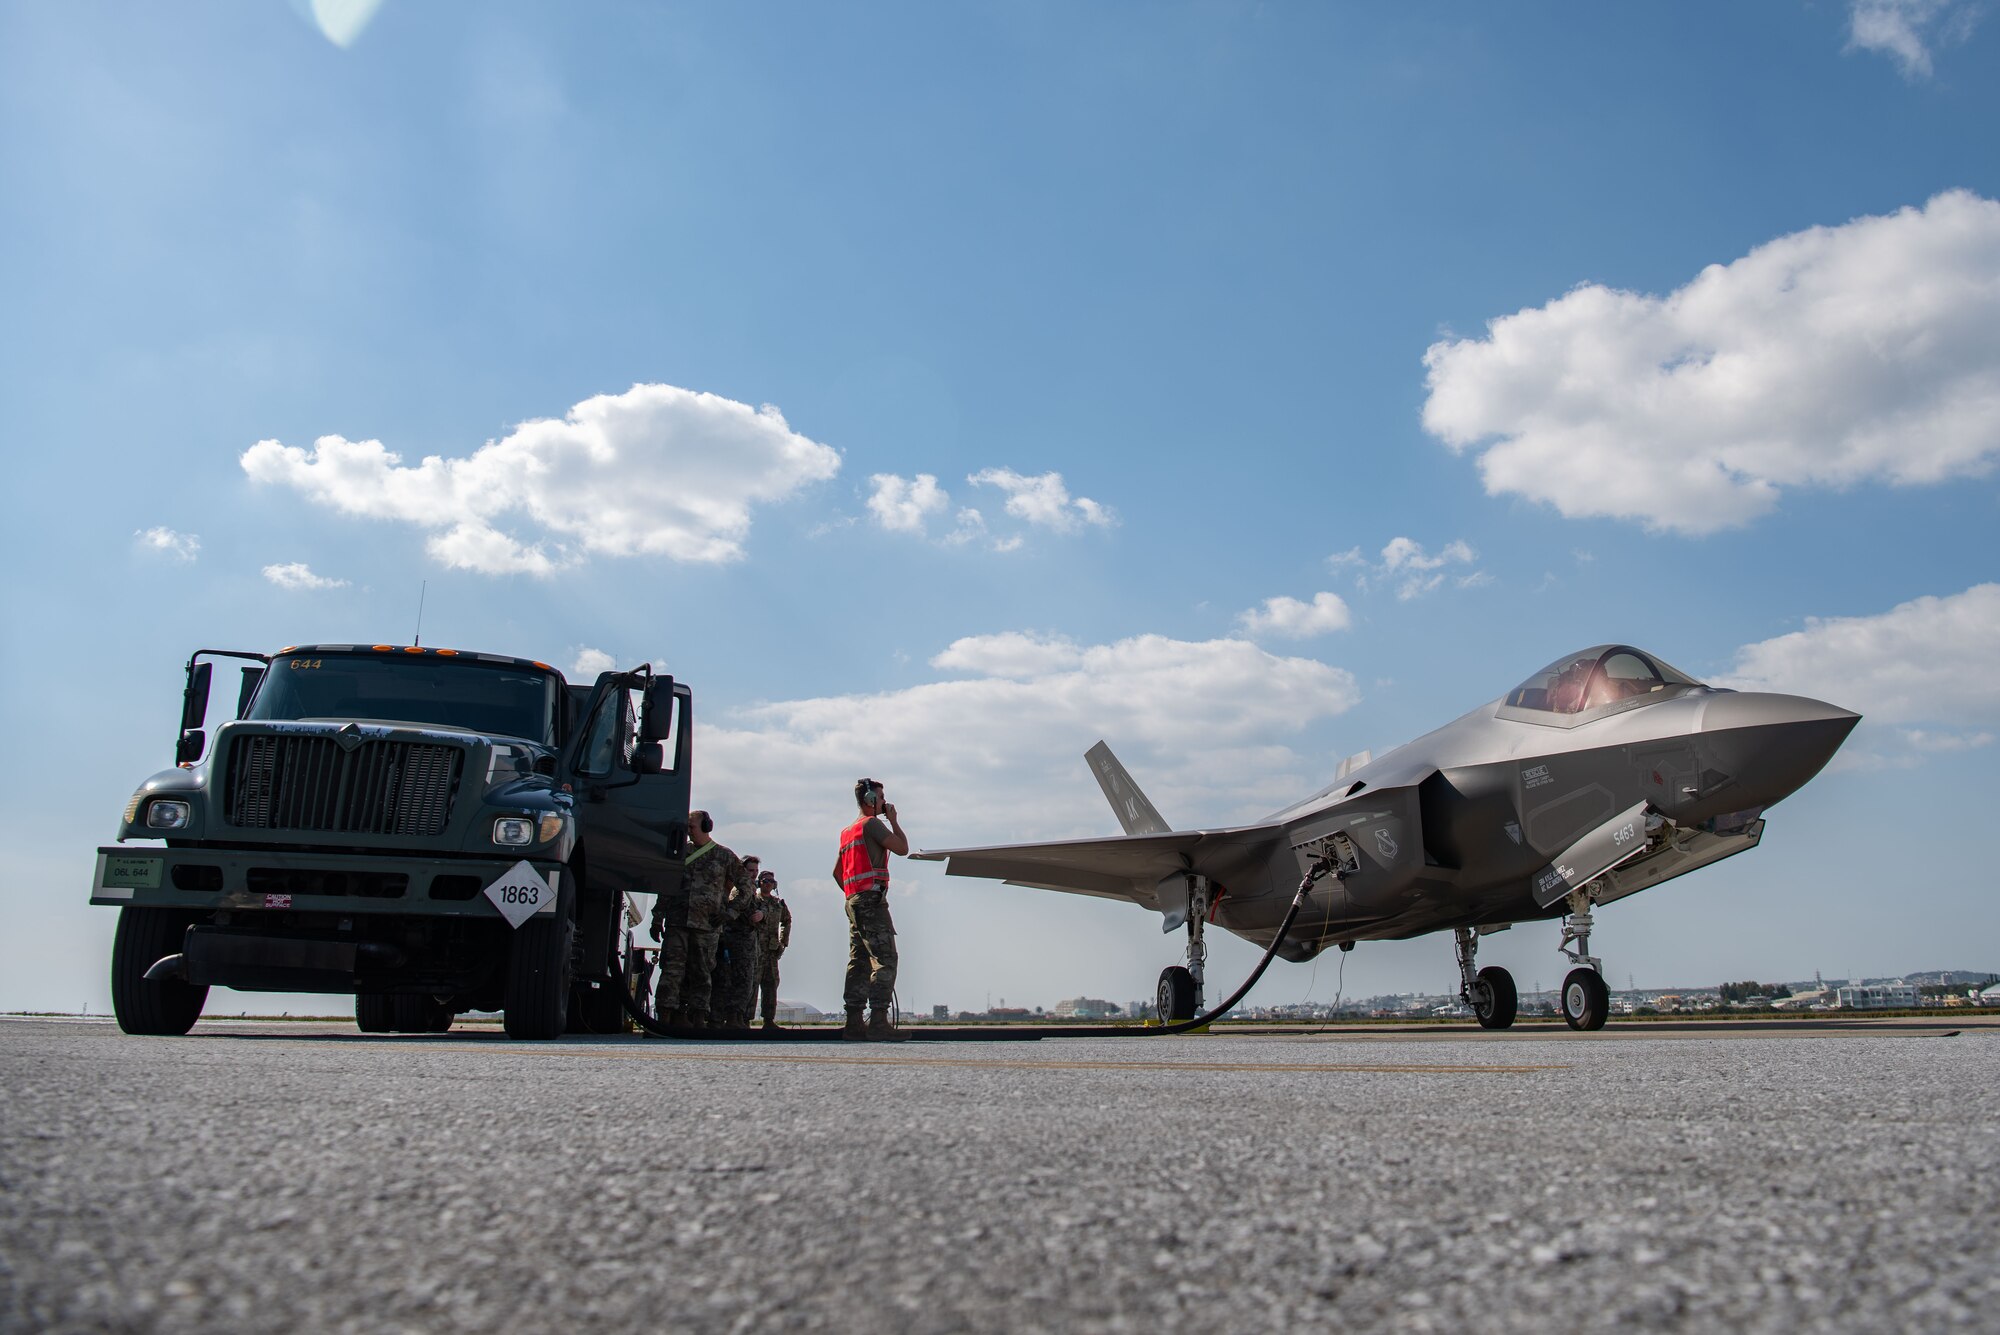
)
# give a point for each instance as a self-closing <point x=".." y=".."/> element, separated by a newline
<point x="1586" y="1001"/>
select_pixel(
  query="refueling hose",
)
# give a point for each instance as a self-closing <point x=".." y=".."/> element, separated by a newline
<point x="928" y="1034"/>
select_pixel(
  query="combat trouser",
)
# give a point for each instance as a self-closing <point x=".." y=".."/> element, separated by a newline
<point x="687" y="965"/>
<point x="767" y="987"/>
<point x="735" y="991"/>
<point x="871" y="951"/>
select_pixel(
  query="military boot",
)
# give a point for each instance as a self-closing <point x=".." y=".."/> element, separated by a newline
<point x="855" y="1030"/>
<point x="770" y="1026"/>
<point x="882" y="1029"/>
<point x="668" y="1019"/>
<point x="695" y="1020"/>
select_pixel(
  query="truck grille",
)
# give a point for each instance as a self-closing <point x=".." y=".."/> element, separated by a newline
<point x="313" y="783"/>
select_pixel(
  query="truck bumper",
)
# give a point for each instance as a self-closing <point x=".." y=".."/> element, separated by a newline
<point x="236" y="880"/>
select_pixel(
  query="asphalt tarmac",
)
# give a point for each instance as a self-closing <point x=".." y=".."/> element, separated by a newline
<point x="254" y="1177"/>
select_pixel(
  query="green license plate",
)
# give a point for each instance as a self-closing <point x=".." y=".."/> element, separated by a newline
<point x="132" y="871"/>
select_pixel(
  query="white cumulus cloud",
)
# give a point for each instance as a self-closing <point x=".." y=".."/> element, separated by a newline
<point x="992" y="754"/>
<point x="1833" y="356"/>
<point x="1016" y="655"/>
<point x="903" y="505"/>
<point x="1928" y="661"/>
<point x="656" y="470"/>
<point x="1907" y="30"/>
<point x="298" y="576"/>
<point x="1043" y="499"/>
<point x="166" y="542"/>
<point x="588" y="663"/>
<point x="1293" y="619"/>
<point x="1412" y="569"/>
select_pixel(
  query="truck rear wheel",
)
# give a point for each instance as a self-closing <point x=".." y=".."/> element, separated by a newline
<point x="400" y="1013"/>
<point x="146" y="936"/>
<point x="595" y="1009"/>
<point x="538" y="976"/>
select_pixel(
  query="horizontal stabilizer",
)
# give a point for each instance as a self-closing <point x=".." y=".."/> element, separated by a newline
<point x="1135" y="814"/>
<point x="1128" y="867"/>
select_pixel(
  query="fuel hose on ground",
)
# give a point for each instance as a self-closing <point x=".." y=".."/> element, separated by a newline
<point x="928" y="1034"/>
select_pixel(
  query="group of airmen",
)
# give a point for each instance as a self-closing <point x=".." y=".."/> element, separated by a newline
<point x="720" y="936"/>
<point x="723" y="929"/>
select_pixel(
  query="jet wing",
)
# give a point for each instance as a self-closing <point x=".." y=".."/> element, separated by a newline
<point x="1128" y="867"/>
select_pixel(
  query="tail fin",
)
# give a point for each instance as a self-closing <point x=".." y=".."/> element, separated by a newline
<point x="1135" y="813"/>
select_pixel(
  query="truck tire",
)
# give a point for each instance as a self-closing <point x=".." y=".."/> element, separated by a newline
<point x="538" y="975"/>
<point x="400" y="1013"/>
<point x="375" y="1012"/>
<point x="145" y="937"/>
<point x="596" y="1009"/>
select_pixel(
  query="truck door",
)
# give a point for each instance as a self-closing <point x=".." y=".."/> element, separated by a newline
<point x="631" y="796"/>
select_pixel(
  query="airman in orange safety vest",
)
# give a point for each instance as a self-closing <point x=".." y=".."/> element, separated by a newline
<point x="862" y="869"/>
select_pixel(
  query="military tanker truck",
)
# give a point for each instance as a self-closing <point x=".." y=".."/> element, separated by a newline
<point x="429" y="830"/>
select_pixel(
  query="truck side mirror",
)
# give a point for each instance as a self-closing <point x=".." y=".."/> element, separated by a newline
<point x="194" y="700"/>
<point x="656" y="713"/>
<point x="251" y="676"/>
<point x="194" y="709"/>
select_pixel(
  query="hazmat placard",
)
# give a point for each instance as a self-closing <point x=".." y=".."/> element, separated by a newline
<point x="520" y="893"/>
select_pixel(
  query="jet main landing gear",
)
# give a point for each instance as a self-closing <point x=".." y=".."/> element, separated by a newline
<point x="1179" y="995"/>
<point x="1490" y="991"/>
<point x="1586" y="1001"/>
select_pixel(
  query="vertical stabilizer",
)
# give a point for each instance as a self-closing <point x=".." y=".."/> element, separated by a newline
<point x="1135" y="813"/>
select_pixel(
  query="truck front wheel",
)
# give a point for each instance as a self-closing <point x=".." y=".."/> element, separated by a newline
<point x="146" y="936"/>
<point x="538" y="976"/>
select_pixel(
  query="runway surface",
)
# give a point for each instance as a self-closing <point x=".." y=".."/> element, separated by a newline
<point x="272" y="1176"/>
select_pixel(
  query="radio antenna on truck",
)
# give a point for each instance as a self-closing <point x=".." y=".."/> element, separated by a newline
<point x="417" y="640"/>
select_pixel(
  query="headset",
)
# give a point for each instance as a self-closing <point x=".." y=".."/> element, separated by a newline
<point x="871" y="792"/>
<point x="706" y="823"/>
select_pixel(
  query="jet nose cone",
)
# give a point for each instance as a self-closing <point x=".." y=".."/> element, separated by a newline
<point x="1770" y="745"/>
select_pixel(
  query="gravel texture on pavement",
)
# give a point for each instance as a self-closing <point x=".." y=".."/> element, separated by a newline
<point x="254" y="1177"/>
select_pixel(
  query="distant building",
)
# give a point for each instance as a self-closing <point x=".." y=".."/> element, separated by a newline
<point x="940" y="1012"/>
<point x="1084" y="1008"/>
<point x="797" y="1012"/>
<point x="1876" y="997"/>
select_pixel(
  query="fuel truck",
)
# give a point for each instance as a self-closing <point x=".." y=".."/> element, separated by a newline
<point x="430" y="831"/>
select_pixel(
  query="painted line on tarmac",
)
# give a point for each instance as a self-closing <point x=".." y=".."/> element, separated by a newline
<point x="993" y="1063"/>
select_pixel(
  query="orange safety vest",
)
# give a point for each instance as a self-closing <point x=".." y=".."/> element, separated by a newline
<point x="857" y="873"/>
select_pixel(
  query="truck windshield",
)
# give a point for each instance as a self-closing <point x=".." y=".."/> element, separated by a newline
<point x="494" y="699"/>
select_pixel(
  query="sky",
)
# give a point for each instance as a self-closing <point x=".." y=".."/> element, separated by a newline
<point x="940" y="389"/>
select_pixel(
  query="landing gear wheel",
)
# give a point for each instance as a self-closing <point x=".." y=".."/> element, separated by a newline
<point x="1494" y="998"/>
<point x="145" y="937"/>
<point x="1174" y="1002"/>
<point x="1586" y="1000"/>
<point x="538" y="975"/>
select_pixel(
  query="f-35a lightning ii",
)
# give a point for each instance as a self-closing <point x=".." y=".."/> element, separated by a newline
<point x="1603" y="774"/>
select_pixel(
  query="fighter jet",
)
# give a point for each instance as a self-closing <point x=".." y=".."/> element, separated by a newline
<point x="1603" y="774"/>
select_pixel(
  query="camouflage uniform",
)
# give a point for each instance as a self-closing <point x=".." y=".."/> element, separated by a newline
<point x="736" y="968"/>
<point x="690" y="919"/>
<point x="773" y="935"/>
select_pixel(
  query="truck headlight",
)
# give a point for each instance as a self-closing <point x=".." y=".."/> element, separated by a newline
<point x="514" y="831"/>
<point x="166" y="814"/>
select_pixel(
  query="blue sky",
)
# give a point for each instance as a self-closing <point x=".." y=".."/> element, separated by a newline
<point x="939" y="389"/>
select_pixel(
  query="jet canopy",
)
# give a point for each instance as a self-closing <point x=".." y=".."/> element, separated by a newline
<point x="1596" y="679"/>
